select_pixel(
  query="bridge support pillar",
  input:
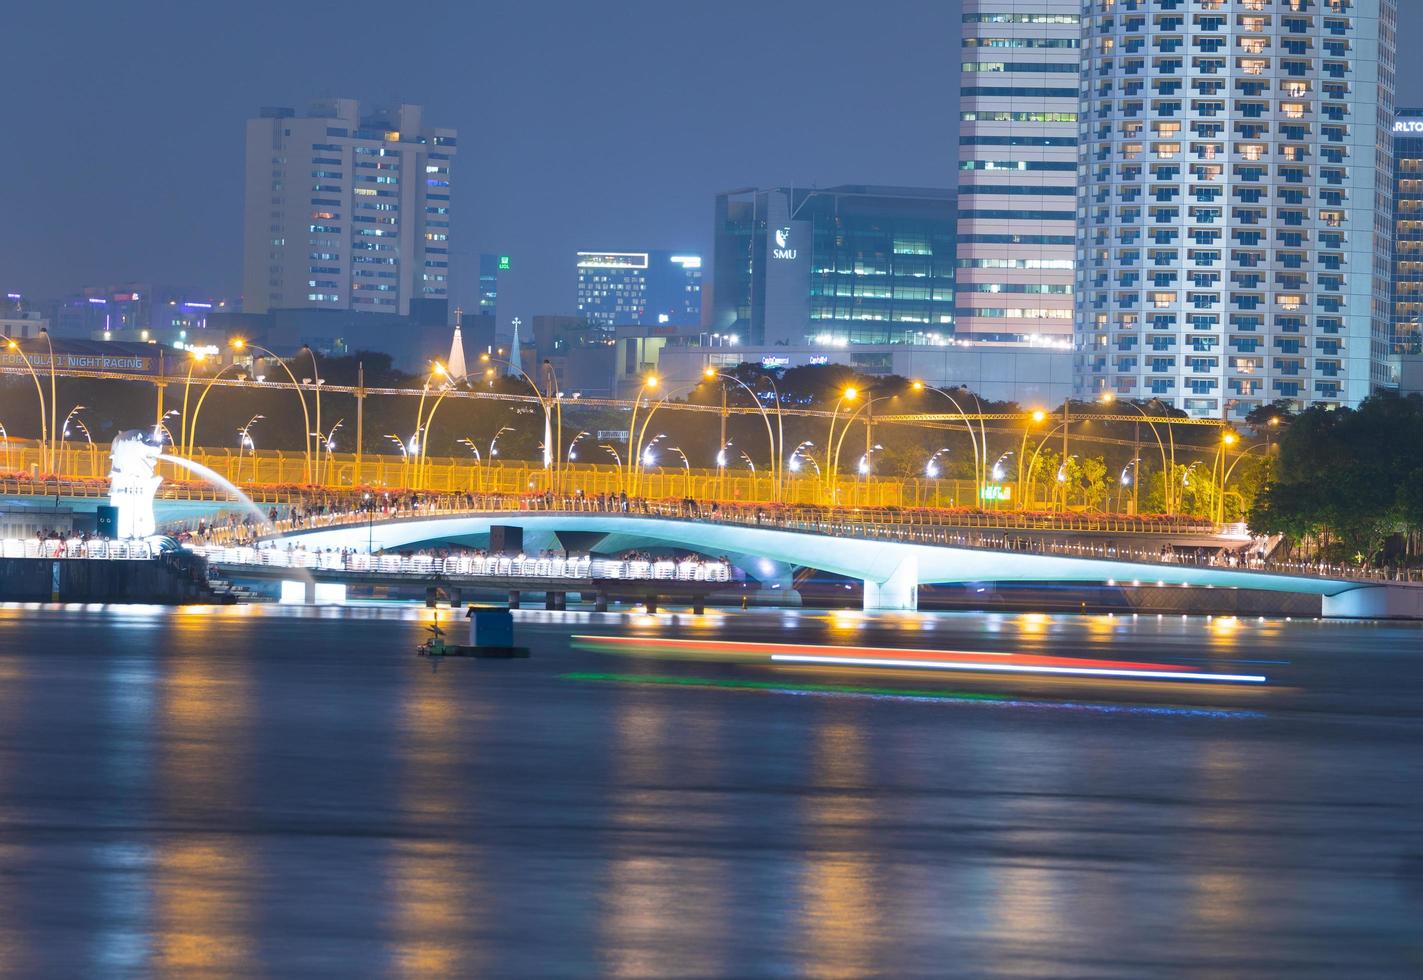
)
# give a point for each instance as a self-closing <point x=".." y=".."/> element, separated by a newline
<point x="1376" y="602"/>
<point x="513" y="598"/>
<point x="899" y="592"/>
<point x="600" y="602"/>
<point x="699" y="605"/>
<point x="651" y="604"/>
<point x="776" y="580"/>
<point x="560" y="600"/>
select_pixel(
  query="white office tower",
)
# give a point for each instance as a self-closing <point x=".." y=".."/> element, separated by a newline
<point x="346" y="212"/>
<point x="1017" y="170"/>
<point x="1234" y="209"/>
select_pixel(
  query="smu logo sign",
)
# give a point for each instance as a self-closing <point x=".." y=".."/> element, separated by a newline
<point x="783" y="242"/>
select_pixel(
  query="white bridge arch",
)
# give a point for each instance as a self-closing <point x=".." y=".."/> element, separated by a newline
<point x="891" y="570"/>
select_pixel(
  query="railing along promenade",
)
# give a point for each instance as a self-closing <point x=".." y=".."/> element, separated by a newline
<point x="424" y="565"/>
<point x="902" y="527"/>
<point x="984" y="531"/>
<point x="276" y="476"/>
<point x="99" y="549"/>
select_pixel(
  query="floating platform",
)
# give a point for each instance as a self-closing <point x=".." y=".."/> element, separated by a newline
<point x="428" y="649"/>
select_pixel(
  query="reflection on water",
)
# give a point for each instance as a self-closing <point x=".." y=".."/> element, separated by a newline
<point x="203" y="876"/>
<point x="1221" y="890"/>
<point x="841" y="908"/>
<point x="664" y="910"/>
<point x="13" y="958"/>
<point x="433" y="871"/>
<point x="291" y="792"/>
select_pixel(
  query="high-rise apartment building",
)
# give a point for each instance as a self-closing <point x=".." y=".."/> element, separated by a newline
<point x="347" y="212"/>
<point x="1235" y="200"/>
<point x="1018" y="170"/>
<point x="624" y="288"/>
<point x="1407" y="265"/>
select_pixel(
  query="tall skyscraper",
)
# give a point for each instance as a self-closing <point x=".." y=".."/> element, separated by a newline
<point x="347" y="212"/>
<point x="1236" y="201"/>
<point x="1407" y="265"/>
<point x="623" y="288"/>
<point x="1018" y="170"/>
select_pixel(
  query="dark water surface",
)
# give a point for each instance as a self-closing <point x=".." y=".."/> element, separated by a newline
<point x="257" y="790"/>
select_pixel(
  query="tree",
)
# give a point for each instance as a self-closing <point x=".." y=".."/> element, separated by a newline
<point x="1344" y="480"/>
<point x="1278" y="412"/>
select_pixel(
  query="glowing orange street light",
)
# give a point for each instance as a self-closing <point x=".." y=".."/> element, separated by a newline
<point x="240" y="344"/>
<point x="1037" y="417"/>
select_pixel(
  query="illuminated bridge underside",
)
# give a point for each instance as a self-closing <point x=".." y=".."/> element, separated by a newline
<point x="891" y="571"/>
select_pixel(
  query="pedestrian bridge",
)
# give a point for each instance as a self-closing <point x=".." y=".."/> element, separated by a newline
<point x="892" y="563"/>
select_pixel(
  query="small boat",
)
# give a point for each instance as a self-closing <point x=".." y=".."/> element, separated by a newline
<point x="436" y="646"/>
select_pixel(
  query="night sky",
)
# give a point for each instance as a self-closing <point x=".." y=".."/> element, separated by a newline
<point x="582" y="125"/>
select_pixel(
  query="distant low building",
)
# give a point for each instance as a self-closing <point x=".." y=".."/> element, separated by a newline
<point x="578" y="350"/>
<point x="139" y="312"/>
<point x="998" y="372"/>
<point x="22" y="325"/>
<point x="1410" y="377"/>
<point x="411" y="344"/>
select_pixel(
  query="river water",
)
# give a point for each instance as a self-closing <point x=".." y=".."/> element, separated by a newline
<point x="263" y="790"/>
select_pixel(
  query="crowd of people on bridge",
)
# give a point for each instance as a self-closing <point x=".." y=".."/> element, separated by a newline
<point x="1057" y="534"/>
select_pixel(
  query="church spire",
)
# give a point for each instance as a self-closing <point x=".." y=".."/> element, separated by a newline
<point x="516" y="361"/>
<point x="455" y="363"/>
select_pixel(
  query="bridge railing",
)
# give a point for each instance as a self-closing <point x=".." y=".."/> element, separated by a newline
<point x="342" y="509"/>
<point x="500" y="566"/>
<point x="96" y="548"/>
<point x="278" y="476"/>
<point x="989" y="532"/>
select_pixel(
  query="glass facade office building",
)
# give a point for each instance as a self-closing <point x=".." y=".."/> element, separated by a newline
<point x="1234" y="208"/>
<point x="489" y="268"/>
<point x="1407" y="237"/>
<point x="835" y="266"/>
<point x="1018" y="170"/>
<point x="628" y="288"/>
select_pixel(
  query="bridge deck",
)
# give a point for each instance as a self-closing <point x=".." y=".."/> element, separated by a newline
<point x="1164" y="550"/>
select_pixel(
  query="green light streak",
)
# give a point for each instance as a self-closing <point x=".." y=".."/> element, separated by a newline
<point x="781" y="687"/>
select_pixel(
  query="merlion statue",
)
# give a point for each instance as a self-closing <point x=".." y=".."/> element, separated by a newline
<point x="132" y="483"/>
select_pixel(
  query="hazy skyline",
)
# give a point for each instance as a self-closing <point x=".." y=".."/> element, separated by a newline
<point x="580" y="126"/>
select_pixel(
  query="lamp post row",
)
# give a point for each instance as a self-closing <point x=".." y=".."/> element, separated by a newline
<point x="550" y="399"/>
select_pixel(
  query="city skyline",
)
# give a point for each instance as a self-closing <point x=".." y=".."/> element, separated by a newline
<point x="542" y="174"/>
<point x="144" y="235"/>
